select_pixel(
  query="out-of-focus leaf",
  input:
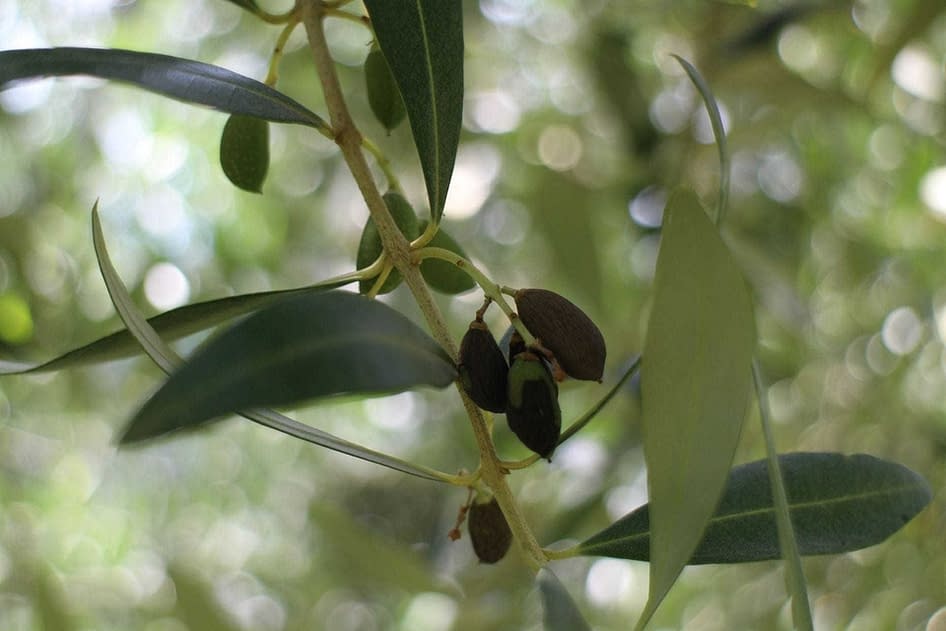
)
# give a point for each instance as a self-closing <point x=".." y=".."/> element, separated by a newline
<point x="422" y="41"/>
<point x="441" y="275"/>
<point x="171" y="325"/>
<point x="301" y="348"/>
<point x="559" y="611"/>
<point x="182" y="79"/>
<point x="838" y="503"/>
<point x="244" y="151"/>
<point x="166" y="359"/>
<point x="695" y="382"/>
<point x="368" y="559"/>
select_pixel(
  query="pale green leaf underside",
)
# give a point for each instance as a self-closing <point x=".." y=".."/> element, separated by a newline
<point x="695" y="382"/>
<point x="423" y="43"/>
<point x="837" y="503"/>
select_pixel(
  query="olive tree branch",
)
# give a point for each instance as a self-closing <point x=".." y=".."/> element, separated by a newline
<point x="397" y="248"/>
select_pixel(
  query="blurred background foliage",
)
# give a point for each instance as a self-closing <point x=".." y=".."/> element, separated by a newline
<point x="577" y="125"/>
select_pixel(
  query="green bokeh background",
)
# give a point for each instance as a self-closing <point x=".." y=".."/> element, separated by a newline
<point x="577" y="124"/>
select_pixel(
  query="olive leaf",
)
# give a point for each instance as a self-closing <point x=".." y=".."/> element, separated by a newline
<point x="422" y="41"/>
<point x="560" y="613"/>
<point x="301" y="348"/>
<point x="168" y="360"/>
<point x="837" y="503"/>
<point x="182" y="79"/>
<point x="695" y="382"/>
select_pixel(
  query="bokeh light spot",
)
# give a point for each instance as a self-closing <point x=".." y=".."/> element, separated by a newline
<point x="166" y="287"/>
<point x="16" y="322"/>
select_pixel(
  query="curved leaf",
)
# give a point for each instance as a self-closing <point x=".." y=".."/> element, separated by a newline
<point x="719" y="133"/>
<point x="838" y="504"/>
<point x="166" y="359"/>
<point x="298" y="349"/>
<point x="559" y="611"/>
<point x="182" y="79"/>
<point x="422" y="41"/>
<point x="170" y="325"/>
<point x="695" y="382"/>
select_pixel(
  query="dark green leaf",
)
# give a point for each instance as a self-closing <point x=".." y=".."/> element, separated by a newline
<point x="299" y="349"/>
<point x="170" y="325"/>
<point x="422" y="41"/>
<point x="695" y="382"/>
<point x="443" y="276"/>
<point x="838" y="503"/>
<point x="181" y="79"/>
<point x="244" y="151"/>
<point x="560" y="613"/>
<point x="166" y="359"/>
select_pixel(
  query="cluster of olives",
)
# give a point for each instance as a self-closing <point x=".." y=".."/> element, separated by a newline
<point x="525" y="388"/>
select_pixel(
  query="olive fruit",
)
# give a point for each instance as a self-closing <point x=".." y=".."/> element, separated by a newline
<point x="565" y="330"/>
<point x="370" y="248"/>
<point x="244" y="151"/>
<point x="532" y="409"/>
<point x="489" y="531"/>
<point x="483" y="369"/>
<point x="383" y="94"/>
<point x="442" y="276"/>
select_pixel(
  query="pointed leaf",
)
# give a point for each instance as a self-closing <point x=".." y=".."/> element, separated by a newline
<point x="838" y="504"/>
<point x="422" y="41"/>
<point x="298" y="349"/>
<point x="719" y="133"/>
<point x="560" y="613"/>
<point x="166" y="359"/>
<point x="171" y="325"/>
<point x="695" y="383"/>
<point x="181" y="79"/>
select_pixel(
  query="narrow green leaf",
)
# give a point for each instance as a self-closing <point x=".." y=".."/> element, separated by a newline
<point x="182" y="79"/>
<point x="441" y="275"/>
<point x="298" y="349"/>
<point x="168" y="360"/>
<point x="559" y="611"/>
<point x="695" y="382"/>
<point x="719" y="133"/>
<point x="788" y="545"/>
<point x="838" y="504"/>
<point x="422" y="41"/>
<point x="244" y="151"/>
<point x="171" y="325"/>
